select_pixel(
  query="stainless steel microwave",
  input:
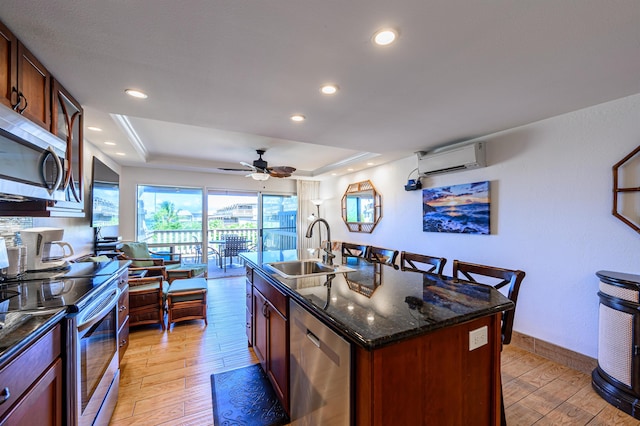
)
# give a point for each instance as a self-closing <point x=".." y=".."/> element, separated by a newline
<point x="32" y="160"/>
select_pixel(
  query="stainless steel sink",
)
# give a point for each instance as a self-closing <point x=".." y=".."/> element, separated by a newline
<point x="306" y="268"/>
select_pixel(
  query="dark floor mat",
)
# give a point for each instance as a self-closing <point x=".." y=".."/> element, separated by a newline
<point x="245" y="397"/>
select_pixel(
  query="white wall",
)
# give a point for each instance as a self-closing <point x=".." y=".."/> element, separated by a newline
<point x="130" y="177"/>
<point x="551" y="200"/>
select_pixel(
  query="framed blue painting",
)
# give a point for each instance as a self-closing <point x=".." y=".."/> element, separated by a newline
<point x="461" y="209"/>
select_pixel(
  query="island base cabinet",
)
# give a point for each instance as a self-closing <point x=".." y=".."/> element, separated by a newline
<point x="433" y="379"/>
<point x="271" y="335"/>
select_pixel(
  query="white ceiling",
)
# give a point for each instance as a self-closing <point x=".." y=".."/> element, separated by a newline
<point x="223" y="77"/>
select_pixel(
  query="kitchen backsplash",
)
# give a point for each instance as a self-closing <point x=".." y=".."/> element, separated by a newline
<point x="10" y="225"/>
<point x="77" y="231"/>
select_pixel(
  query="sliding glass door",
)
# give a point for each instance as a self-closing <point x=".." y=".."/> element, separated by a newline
<point x="266" y="221"/>
<point x="279" y="213"/>
<point x="232" y="214"/>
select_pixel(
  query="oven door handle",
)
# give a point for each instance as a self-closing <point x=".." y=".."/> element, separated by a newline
<point x="99" y="309"/>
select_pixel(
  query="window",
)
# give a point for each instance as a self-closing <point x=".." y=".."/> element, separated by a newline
<point x="169" y="217"/>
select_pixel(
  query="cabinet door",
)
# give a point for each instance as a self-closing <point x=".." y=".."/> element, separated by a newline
<point x="123" y="306"/>
<point x="278" y="355"/>
<point x="67" y="124"/>
<point x="123" y="316"/>
<point x="123" y="339"/>
<point x="8" y="67"/>
<point x="34" y="88"/>
<point x="249" y="313"/>
<point x="261" y="319"/>
<point x="42" y="404"/>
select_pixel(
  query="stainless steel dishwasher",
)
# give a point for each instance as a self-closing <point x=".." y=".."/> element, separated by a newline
<point x="320" y="372"/>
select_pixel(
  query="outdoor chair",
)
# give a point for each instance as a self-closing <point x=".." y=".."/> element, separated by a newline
<point x="141" y="257"/>
<point x="212" y="253"/>
<point x="233" y="246"/>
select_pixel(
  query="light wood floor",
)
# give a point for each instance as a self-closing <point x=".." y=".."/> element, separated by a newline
<point x="165" y="376"/>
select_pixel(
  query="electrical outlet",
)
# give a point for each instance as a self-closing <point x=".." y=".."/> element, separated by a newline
<point x="478" y="337"/>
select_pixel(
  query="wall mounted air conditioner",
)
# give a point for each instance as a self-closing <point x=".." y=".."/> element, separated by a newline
<point x="451" y="159"/>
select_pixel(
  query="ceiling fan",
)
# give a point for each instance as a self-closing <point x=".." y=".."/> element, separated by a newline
<point x="259" y="170"/>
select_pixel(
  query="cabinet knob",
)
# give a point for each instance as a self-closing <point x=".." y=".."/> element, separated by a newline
<point x="4" y="395"/>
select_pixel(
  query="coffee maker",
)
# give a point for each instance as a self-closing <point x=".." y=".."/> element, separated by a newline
<point x="45" y="248"/>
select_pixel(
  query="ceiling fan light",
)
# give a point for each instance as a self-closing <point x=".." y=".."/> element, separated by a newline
<point x="259" y="176"/>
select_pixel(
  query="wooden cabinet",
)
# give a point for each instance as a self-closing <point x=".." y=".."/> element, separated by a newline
<point x="123" y="315"/>
<point x="249" y="310"/>
<point x="67" y="123"/>
<point x="435" y="379"/>
<point x="29" y="89"/>
<point x="34" y="88"/>
<point x="271" y="335"/>
<point x="31" y="384"/>
<point x="8" y="67"/>
<point x="25" y="84"/>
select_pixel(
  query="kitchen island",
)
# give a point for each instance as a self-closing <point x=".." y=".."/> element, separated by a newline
<point x="410" y="334"/>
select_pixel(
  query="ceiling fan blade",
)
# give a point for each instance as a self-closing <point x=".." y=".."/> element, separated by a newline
<point x="251" y="166"/>
<point x="281" y="171"/>
<point x="279" y="174"/>
<point x="228" y="169"/>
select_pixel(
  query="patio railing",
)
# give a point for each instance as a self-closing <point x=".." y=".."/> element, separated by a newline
<point x="188" y="244"/>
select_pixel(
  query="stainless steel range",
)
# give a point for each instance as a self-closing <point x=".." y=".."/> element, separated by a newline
<point x="90" y="292"/>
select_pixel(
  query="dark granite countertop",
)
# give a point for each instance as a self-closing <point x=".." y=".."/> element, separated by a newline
<point x="24" y="321"/>
<point x="20" y="328"/>
<point x="376" y="305"/>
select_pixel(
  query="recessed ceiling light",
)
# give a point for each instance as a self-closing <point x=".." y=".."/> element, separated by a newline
<point x="94" y="128"/>
<point x="298" y="118"/>
<point x="349" y="170"/>
<point x="370" y="163"/>
<point x="136" y="93"/>
<point x="329" y="89"/>
<point x="385" y="36"/>
<point x="122" y="154"/>
<point x="110" y="143"/>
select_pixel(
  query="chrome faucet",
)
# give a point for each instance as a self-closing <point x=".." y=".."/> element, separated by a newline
<point x="328" y="256"/>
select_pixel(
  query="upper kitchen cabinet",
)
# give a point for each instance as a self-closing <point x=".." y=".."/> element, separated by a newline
<point x="8" y="67"/>
<point x="40" y="101"/>
<point x="25" y="84"/>
<point x="67" y="124"/>
<point x="34" y="88"/>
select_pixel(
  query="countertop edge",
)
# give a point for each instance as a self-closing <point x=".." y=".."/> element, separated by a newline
<point x="11" y="353"/>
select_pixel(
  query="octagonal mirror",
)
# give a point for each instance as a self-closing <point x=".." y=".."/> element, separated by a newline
<point x="361" y="207"/>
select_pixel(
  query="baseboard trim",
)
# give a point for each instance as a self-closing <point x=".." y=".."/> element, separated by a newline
<point x="554" y="353"/>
